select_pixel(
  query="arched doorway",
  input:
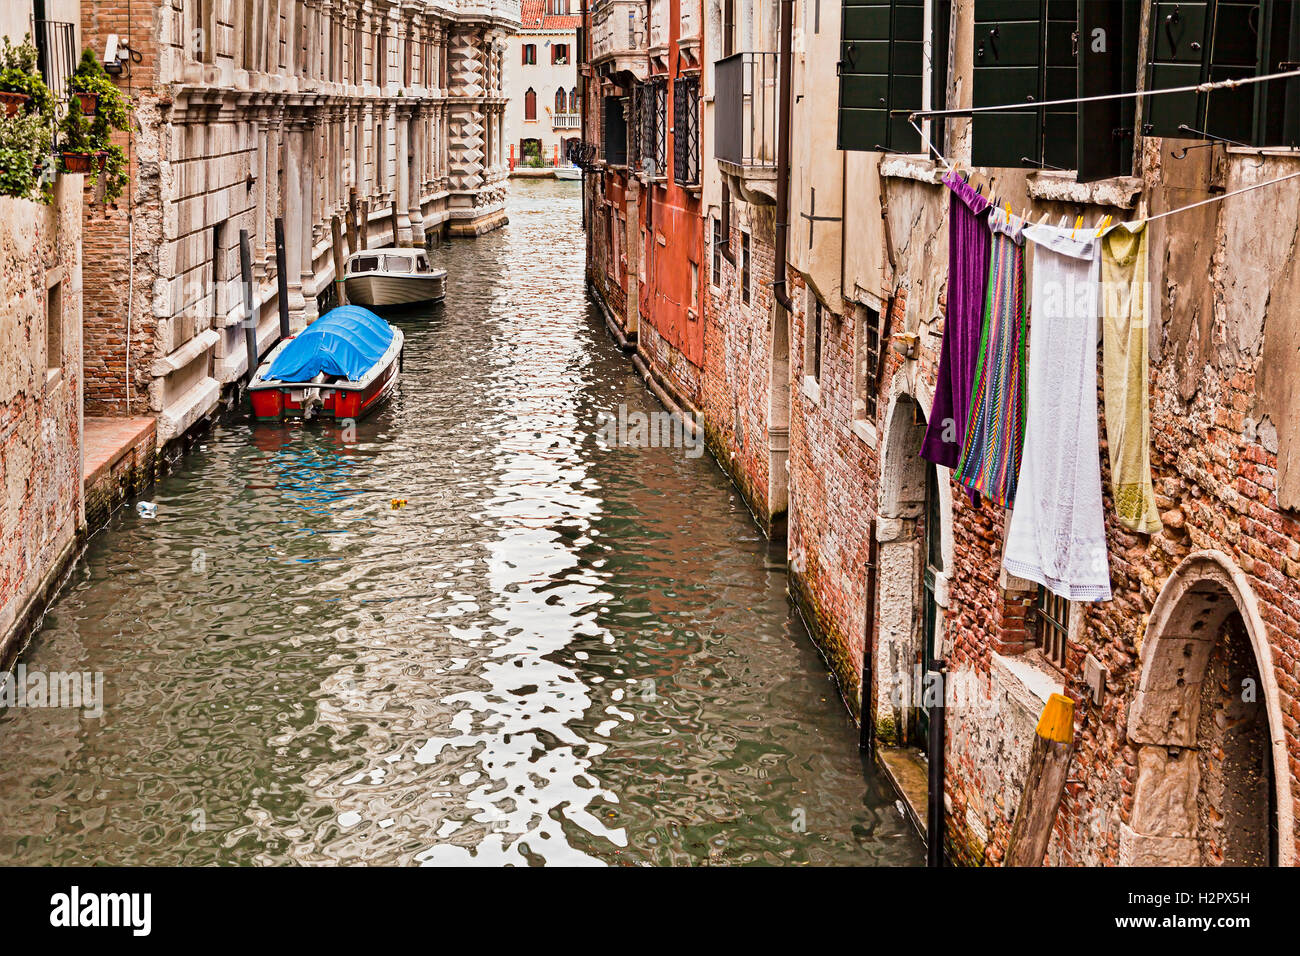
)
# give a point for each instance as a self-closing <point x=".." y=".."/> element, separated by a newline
<point x="914" y="549"/>
<point x="1207" y="725"/>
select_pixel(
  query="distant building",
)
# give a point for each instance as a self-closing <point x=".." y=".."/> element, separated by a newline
<point x="542" y="75"/>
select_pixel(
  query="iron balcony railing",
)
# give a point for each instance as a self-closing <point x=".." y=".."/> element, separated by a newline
<point x="745" y="108"/>
<point x="56" y="53"/>
<point x="565" y="120"/>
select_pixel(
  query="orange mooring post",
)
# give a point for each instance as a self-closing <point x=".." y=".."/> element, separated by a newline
<point x="512" y="157"/>
<point x="556" y="160"/>
<point x="1049" y="764"/>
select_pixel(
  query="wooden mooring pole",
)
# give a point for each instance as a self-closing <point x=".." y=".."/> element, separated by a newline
<point x="282" y="278"/>
<point x="363" y="226"/>
<point x="396" y="236"/>
<point x="353" y="228"/>
<point x="250" y="320"/>
<point x="336" y="234"/>
<point x="1049" y="763"/>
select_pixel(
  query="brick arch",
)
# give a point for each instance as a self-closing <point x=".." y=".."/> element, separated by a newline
<point x="1189" y="614"/>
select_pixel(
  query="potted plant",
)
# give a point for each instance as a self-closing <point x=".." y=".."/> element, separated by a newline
<point x="100" y="105"/>
<point x="89" y="82"/>
<point x="74" y="139"/>
<point x="20" y="80"/>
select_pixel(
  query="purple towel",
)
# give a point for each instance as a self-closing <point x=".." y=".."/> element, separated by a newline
<point x="968" y="273"/>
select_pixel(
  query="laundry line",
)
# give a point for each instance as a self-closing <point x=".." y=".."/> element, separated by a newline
<point x="1207" y="87"/>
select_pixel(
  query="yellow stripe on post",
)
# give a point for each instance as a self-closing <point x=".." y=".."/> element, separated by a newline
<point x="1057" y="721"/>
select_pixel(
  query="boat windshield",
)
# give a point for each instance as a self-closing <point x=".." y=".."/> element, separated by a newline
<point x="421" y="264"/>
<point x="365" y="264"/>
<point x="397" y="264"/>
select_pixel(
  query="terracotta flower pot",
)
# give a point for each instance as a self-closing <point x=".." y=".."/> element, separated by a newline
<point x="13" y="102"/>
<point x="89" y="103"/>
<point x="77" y="162"/>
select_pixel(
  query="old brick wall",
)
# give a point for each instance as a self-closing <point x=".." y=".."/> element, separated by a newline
<point x="40" y="403"/>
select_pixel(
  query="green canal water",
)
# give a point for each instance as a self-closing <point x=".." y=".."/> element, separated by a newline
<point x="558" y="652"/>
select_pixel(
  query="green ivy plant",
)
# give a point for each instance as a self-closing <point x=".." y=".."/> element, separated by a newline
<point x="25" y="142"/>
<point x="110" y="115"/>
<point x="25" y="138"/>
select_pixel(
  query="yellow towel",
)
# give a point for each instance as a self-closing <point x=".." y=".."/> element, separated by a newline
<point x="1124" y="311"/>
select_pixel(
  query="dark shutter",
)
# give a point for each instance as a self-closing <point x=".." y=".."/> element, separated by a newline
<point x="1277" y="106"/>
<point x="1108" y="41"/>
<point x="940" y="29"/>
<point x="1179" y="55"/>
<point x="880" y="69"/>
<point x="1009" y="48"/>
<point x="615" y="132"/>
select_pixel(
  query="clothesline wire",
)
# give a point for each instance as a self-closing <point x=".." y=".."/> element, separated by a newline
<point x="1206" y="87"/>
<point x="1206" y="202"/>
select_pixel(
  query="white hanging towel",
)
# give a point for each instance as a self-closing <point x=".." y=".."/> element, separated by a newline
<point x="1057" y="535"/>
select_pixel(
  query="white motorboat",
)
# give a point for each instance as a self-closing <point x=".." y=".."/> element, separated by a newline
<point x="568" y="172"/>
<point x="392" y="276"/>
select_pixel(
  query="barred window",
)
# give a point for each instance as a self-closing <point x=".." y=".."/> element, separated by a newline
<point x="686" y="131"/>
<point x="654" y="128"/>
<point x="1052" y="624"/>
<point x="867" y="341"/>
<point x="744" y="267"/>
<point x="717" y="251"/>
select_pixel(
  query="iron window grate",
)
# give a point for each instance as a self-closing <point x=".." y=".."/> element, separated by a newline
<point x="1052" y="616"/>
<point x="686" y="131"/>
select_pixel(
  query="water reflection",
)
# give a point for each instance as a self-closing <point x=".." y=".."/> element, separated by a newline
<point x="556" y="652"/>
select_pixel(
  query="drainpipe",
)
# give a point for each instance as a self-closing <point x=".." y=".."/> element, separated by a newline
<point x="935" y="824"/>
<point x="783" y="158"/>
<point x="867" y="733"/>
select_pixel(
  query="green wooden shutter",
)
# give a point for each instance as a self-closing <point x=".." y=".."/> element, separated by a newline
<point x="1009" y="46"/>
<point x="1179" y="57"/>
<point x="1277" y="103"/>
<point x="1234" y="53"/>
<point x="880" y="69"/>
<point x="1107" y="63"/>
<point x="1060" y="82"/>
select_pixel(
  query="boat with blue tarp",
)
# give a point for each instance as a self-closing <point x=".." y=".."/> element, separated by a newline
<point x="343" y="365"/>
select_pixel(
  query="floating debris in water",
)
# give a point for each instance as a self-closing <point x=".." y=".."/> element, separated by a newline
<point x="398" y="503"/>
<point x="147" y="509"/>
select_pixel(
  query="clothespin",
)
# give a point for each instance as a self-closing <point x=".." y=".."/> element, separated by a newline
<point x="1101" y="226"/>
<point x="1078" y="221"/>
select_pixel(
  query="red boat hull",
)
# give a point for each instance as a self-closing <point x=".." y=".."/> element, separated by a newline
<point x="288" y="401"/>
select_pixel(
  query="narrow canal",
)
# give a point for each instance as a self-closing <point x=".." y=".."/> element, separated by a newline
<point x="557" y="652"/>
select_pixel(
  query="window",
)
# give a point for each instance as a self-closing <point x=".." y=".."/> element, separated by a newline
<point x="812" y="356"/>
<point x="728" y="27"/>
<point x="866" y="342"/>
<point x="686" y="131"/>
<point x="561" y="101"/>
<point x="364" y="264"/>
<point x="883" y="68"/>
<point x="1052" y="624"/>
<point x="530" y="54"/>
<point x="397" y="264"/>
<point x="560" y="53"/>
<point x="726" y="222"/>
<point x="615" y="139"/>
<point x="744" y="267"/>
<point x="695" y="283"/>
<point x="530" y="105"/>
<point x="717" y="251"/>
<point x="1219" y="40"/>
<point x="54" y="328"/>
<point x="1046" y="50"/>
<point x="557" y="8"/>
<point x="654" y="128"/>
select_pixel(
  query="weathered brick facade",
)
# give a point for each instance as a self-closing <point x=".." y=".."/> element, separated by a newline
<point x="1186" y="684"/>
<point x="40" y="401"/>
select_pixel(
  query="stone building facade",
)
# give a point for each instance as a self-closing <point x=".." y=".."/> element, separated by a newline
<point x="249" y="110"/>
<point x="1186" y="683"/>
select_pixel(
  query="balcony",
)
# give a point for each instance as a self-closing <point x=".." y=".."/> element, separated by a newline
<point x="618" y="37"/>
<point x="566" y="120"/>
<point x="745" y="120"/>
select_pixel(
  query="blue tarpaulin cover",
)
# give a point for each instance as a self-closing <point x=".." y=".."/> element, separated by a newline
<point x="346" y="342"/>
